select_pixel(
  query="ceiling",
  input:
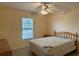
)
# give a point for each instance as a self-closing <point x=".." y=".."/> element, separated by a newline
<point x="32" y="6"/>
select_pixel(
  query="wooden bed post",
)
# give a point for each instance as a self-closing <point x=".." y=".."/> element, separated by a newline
<point x="54" y="33"/>
<point x="76" y="42"/>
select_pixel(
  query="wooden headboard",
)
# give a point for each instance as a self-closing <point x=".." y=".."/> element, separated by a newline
<point x="68" y="35"/>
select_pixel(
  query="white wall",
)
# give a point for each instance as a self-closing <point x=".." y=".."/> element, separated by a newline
<point x="68" y="21"/>
<point x="10" y="26"/>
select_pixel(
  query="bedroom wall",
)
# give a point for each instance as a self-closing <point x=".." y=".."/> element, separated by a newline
<point x="10" y="26"/>
<point x="64" y="21"/>
<point x="40" y="25"/>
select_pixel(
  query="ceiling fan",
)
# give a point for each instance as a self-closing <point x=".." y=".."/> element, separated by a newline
<point x="51" y="8"/>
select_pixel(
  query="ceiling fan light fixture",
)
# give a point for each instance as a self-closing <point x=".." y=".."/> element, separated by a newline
<point x="43" y="12"/>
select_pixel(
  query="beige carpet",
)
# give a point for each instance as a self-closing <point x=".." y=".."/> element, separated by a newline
<point x="27" y="52"/>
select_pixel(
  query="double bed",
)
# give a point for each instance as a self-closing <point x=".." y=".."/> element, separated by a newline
<point x="59" y="44"/>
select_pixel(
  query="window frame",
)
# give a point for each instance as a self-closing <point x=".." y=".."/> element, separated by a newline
<point x="22" y="28"/>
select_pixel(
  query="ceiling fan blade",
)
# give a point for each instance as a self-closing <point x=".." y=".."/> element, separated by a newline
<point x="49" y="11"/>
<point x="37" y="6"/>
<point x="52" y="7"/>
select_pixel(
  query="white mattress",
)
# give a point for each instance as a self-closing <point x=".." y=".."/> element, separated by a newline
<point x="52" y="46"/>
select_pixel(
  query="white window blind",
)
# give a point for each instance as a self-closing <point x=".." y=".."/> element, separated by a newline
<point x="27" y="28"/>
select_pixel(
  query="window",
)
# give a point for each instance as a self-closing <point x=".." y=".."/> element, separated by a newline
<point x="27" y="28"/>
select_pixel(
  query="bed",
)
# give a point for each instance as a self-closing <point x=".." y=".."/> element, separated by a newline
<point x="59" y="44"/>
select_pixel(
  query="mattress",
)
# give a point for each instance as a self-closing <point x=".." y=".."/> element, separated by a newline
<point x="52" y="46"/>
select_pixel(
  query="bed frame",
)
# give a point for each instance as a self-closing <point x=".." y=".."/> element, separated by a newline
<point x="68" y="35"/>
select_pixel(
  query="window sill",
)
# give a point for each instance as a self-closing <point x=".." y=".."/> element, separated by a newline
<point x="28" y="39"/>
